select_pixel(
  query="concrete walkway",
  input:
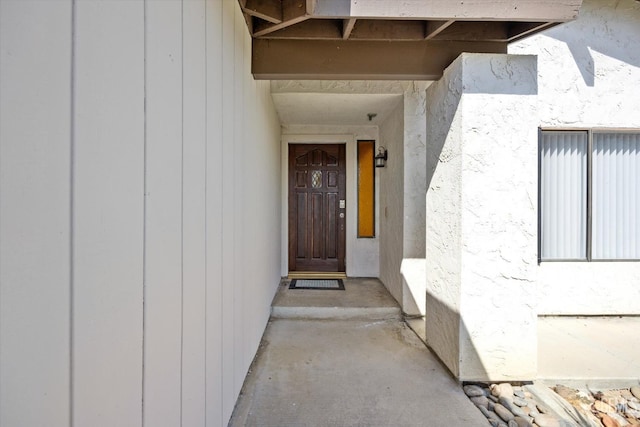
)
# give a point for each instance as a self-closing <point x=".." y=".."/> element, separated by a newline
<point x="363" y="368"/>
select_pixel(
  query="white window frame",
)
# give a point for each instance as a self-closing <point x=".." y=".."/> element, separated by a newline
<point x="589" y="223"/>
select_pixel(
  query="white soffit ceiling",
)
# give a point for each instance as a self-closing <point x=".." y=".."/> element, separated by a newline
<point x="334" y="108"/>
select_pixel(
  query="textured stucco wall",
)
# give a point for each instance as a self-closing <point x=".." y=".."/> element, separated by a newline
<point x="130" y="132"/>
<point x="362" y="255"/>
<point x="589" y="75"/>
<point x="415" y="181"/>
<point x="481" y="248"/>
<point x="499" y="134"/>
<point x="415" y="189"/>
<point x="391" y="202"/>
<point x="443" y="216"/>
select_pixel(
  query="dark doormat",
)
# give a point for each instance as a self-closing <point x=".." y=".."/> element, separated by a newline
<point x="331" y="284"/>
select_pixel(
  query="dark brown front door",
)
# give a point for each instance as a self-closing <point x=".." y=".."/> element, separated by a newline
<point x="317" y="210"/>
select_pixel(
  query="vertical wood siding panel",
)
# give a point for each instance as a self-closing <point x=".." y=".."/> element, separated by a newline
<point x="35" y="69"/>
<point x="108" y="213"/>
<point x="214" y="210"/>
<point x="238" y="173"/>
<point x="253" y="141"/>
<point x="163" y="242"/>
<point x="230" y="163"/>
<point x="193" y="338"/>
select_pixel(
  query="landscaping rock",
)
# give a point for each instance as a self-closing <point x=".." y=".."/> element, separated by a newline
<point x="600" y="406"/>
<point x="502" y="390"/>
<point x="512" y="423"/>
<point x="609" y="422"/>
<point x="521" y="422"/>
<point x="515" y="410"/>
<point x="622" y="422"/>
<point x="473" y="391"/>
<point x="635" y="390"/>
<point x="519" y="393"/>
<point x="544" y="420"/>
<point x="503" y="412"/>
<point x="480" y="401"/>
<point x="489" y="415"/>
<point x="519" y="402"/>
<point x="542" y="409"/>
<point x="633" y="405"/>
<point x="632" y="413"/>
<point x="565" y="392"/>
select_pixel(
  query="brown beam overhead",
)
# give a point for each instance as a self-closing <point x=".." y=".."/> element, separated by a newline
<point x="293" y="12"/>
<point x="347" y="27"/>
<point x="436" y="27"/>
<point x="377" y="29"/>
<point x="387" y="39"/>
<point x="311" y="29"/>
<point x="465" y="30"/>
<point x="519" y="30"/>
<point x="445" y="10"/>
<point x="268" y="10"/>
<point x="359" y="60"/>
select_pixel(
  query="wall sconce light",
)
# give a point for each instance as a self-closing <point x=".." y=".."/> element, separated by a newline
<point x="381" y="157"/>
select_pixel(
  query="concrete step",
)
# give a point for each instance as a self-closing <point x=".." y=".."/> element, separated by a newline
<point x="362" y="299"/>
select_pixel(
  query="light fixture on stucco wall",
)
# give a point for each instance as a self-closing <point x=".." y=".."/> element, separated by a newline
<point x="381" y="157"/>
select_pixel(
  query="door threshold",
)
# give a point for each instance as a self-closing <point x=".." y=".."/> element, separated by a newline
<point x="316" y="275"/>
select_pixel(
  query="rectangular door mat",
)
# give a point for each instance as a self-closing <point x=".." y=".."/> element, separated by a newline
<point x="332" y="284"/>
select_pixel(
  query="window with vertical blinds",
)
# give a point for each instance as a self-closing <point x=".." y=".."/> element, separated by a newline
<point x="563" y="207"/>
<point x="589" y="195"/>
<point x="616" y="205"/>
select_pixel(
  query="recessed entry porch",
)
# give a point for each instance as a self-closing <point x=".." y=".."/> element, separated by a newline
<point x="465" y="273"/>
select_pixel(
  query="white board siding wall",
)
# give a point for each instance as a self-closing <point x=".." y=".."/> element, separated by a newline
<point x="588" y="73"/>
<point x="35" y="175"/>
<point x="116" y="308"/>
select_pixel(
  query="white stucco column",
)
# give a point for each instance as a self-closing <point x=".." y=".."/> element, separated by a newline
<point x="481" y="217"/>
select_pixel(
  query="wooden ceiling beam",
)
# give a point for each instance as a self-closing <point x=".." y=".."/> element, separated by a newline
<point x="359" y="60"/>
<point x="293" y="12"/>
<point x="268" y="10"/>
<point x="446" y="10"/>
<point x="376" y="29"/>
<point x="347" y="27"/>
<point x="520" y="30"/>
<point x="433" y="28"/>
<point x="463" y="30"/>
<point x="311" y="29"/>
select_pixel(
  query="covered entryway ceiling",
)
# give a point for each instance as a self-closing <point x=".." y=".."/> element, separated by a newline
<point x="387" y="39"/>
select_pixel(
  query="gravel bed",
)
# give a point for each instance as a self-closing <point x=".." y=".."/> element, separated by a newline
<point x="609" y="408"/>
<point x="506" y="405"/>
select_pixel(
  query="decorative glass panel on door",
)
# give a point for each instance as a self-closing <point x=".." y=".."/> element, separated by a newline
<point x="316" y="179"/>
